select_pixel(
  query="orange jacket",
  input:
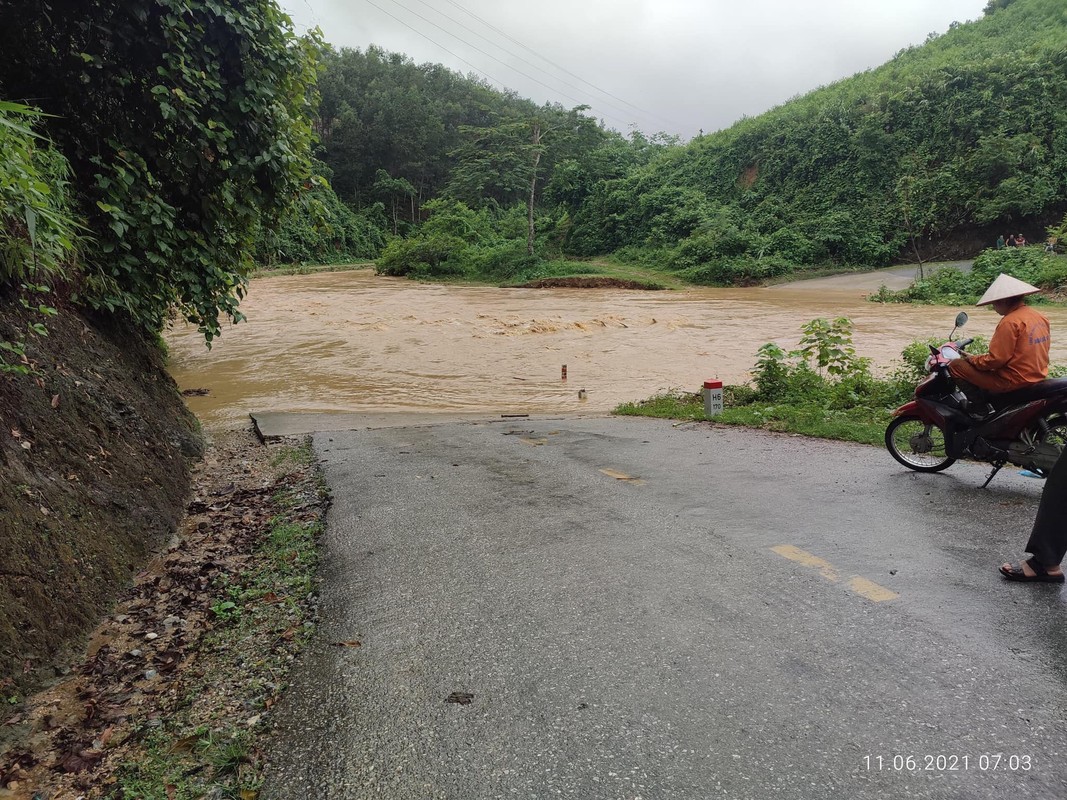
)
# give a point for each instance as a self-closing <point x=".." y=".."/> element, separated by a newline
<point x="1018" y="351"/>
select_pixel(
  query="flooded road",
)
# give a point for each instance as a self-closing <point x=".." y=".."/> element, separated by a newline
<point x="357" y="342"/>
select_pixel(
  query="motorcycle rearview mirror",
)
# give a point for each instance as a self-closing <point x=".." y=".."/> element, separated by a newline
<point x="961" y="320"/>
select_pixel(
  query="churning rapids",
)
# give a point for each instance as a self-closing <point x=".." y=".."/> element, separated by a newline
<point x="357" y="342"/>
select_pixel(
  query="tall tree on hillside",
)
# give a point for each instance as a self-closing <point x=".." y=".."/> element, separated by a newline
<point x="510" y="162"/>
<point x="917" y="201"/>
<point x="393" y="190"/>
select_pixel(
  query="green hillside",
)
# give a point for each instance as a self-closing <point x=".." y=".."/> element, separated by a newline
<point x="932" y="154"/>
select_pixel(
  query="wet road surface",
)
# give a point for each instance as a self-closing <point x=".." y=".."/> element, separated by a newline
<point x="625" y="608"/>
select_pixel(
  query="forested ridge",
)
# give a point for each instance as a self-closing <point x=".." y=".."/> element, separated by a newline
<point x="931" y="155"/>
<point x="179" y="143"/>
<point x="963" y="135"/>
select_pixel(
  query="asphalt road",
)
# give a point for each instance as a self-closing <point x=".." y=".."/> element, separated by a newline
<point x="632" y="608"/>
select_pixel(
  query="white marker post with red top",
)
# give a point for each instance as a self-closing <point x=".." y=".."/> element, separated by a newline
<point x="712" y="398"/>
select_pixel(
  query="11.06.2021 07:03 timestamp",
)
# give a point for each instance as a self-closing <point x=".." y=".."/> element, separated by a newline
<point x="986" y="762"/>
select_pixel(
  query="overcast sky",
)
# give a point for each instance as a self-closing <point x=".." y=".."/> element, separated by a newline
<point x="678" y="66"/>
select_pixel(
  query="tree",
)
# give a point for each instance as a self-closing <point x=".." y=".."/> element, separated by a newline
<point x="995" y="5"/>
<point x="393" y="190"/>
<point x="917" y="204"/>
<point x="186" y="124"/>
<point x="506" y="162"/>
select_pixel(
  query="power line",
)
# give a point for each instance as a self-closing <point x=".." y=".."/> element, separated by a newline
<point x="455" y="21"/>
<point x="475" y="47"/>
<point x="512" y="39"/>
<point x="431" y="41"/>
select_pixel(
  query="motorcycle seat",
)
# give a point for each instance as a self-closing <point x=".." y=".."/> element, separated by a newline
<point x="1035" y="391"/>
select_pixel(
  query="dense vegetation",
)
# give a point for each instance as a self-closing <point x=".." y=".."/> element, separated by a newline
<point x="933" y="154"/>
<point x="950" y="142"/>
<point x="494" y="177"/>
<point x="952" y="287"/>
<point x="820" y="388"/>
<point x="174" y="138"/>
<point x="37" y="230"/>
<point x="186" y="125"/>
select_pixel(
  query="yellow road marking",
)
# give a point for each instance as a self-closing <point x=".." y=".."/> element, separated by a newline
<point x="861" y="586"/>
<point x="620" y="476"/>
<point x="871" y="590"/>
<point x="827" y="569"/>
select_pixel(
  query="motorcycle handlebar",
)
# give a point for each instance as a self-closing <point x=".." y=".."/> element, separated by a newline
<point x="962" y="343"/>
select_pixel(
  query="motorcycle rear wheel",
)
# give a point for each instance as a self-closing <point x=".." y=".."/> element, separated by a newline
<point x="918" y="445"/>
<point x="1057" y="434"/>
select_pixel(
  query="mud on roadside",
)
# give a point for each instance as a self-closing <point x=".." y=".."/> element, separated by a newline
<point x="172" y="693"/>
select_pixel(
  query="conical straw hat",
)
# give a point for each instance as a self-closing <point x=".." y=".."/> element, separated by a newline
<point x="1003" y="287"/>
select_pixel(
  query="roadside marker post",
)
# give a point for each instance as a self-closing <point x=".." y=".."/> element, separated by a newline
<point x="712" y="398"/>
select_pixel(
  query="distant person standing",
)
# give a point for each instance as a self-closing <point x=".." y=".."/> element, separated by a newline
<point x="1011" y="240"/>
<point x="1020" y="241"/>
<point x="1000" y="243"/>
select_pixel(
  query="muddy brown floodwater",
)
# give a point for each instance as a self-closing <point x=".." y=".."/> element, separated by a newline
<point x="357" y="342"/>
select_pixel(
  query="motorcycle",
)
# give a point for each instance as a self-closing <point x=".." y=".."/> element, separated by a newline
<point x="1026" y="427"/>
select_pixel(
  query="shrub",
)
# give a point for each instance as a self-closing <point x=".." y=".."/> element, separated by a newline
<point x="505" y="261"/>
<point x="771" y="372"/>
<point x="439" y="256"/>
<point x="951" y="287"/>
<point x="37" y="231"/>
<point x="320" y="229"/>
<point x="451" y="218"/>
<point x="793" y="246"/>
<point x="38" y="236"/>
<point x="738" y="271"/>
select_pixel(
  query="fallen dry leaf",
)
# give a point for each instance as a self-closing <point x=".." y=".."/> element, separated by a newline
<point x="186" y="744"/>
<point x="349" y="643"/>
<point x="55" y="401"/>
<point x="79" y="761"/>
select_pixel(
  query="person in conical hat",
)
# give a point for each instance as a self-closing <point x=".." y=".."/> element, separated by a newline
<point x="1018" y="351"/>
<point x="1004" y="288"/>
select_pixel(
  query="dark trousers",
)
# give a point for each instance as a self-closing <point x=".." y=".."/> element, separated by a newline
<point x="1048" y="539"/>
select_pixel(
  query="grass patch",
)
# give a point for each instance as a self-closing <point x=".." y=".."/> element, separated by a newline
<point x="863" y="425"/>
<point x="821" y="389"/>
<point x="672" y="404"/>
<point x="308" y="269"/>
<point x="228" y="767"/>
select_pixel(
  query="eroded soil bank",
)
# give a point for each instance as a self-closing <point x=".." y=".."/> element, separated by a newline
<point x="95" y="451"/>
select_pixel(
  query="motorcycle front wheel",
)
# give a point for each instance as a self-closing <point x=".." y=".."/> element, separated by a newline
<point x="918" y="445"/>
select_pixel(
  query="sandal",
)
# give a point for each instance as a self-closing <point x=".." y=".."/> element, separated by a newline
<point x="1016" y="573"/>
